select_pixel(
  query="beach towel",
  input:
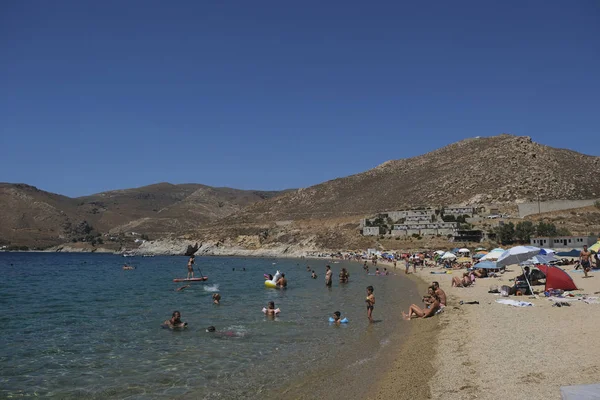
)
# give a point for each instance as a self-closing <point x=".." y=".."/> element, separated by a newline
<point x="514" y="303"/>
<point x="581" y="392"/>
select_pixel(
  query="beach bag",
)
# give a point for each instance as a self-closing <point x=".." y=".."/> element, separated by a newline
<point x="505" y="291"/>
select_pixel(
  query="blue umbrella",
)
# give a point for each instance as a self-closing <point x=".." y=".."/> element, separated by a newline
<point x="487" y="265"/>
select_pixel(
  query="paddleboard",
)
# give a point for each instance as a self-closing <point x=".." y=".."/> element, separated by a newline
<point x="204" y="278"/>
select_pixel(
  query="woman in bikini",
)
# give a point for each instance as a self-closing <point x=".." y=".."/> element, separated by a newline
<point x="416" y="311"/>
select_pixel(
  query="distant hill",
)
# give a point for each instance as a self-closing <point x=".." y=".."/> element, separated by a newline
<point x="35" y="218"/>
<point x="499" y="169"/>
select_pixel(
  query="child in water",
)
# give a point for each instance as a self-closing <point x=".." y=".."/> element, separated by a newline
<point x="216" y="298"/>
<point x="314" y="276"/>
<point x="377" y="271"/>
<point x="337" y="318"/>
<point x="370" y="303"/>
<point x="175" y="321"/>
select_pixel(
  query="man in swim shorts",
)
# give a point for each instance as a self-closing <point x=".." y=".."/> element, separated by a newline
<point x="282" y="282"/>
<point x="440" y="293"/>
<point x="328" y="275"/>
<point x="584" y="259"/>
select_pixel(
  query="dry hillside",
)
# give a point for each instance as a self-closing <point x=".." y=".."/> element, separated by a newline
<point x="35" y="218"/>
<point x="499" y="169"/>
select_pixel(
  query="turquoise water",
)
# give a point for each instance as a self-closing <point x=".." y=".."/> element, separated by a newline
<point x="78" y="326"/>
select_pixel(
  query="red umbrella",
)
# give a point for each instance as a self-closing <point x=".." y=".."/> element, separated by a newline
<point x="556" y="278"/>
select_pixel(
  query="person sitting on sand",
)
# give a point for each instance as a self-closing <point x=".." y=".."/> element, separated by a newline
<point x="462" y="282"/>
<point x="175" y="321"/>
<point x="480" y="272"/>
<point x="440" y="293"/>
<point x="428" y="298"/>
<point x="216" y="298"/>
<point x="416" y="311"/>
<point x="282" y="282"/>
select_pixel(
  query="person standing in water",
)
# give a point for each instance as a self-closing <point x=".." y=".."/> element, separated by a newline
<point x="370" y="300"/>
<point x="190" y="266"/>
<point x="328" y="275"/>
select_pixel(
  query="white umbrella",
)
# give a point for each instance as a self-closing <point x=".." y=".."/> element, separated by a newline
<point x="492" y="255"/>
<point x="448" y="256"/>
<point x="463" y="250"/>
<point x="517" y="255"/>
<point x="440" y="252"/>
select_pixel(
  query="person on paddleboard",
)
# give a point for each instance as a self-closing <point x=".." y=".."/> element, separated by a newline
<point x="190" y="273"/>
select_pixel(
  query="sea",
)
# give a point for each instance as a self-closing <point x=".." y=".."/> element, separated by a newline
<point x="78" y="326"/>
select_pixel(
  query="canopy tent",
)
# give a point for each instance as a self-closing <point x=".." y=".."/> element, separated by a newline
<point x="487" y="265"/>
<point x="517" y="255"/>
<point x="540" y="259"/>
<point x="571" y="253"/>
<point x="557" y="278"/>
<point x="595" y="247"/>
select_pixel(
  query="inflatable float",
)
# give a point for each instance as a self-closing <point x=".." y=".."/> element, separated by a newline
<point x="277" y="310"/>
<point x="204" y="278"/>
<point x="343" y="320"/>
<point x="273" y="282"/>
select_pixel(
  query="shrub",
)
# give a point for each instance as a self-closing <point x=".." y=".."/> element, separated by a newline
<point x="597" y="204"/>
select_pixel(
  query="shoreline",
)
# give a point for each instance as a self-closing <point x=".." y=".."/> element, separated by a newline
<point x="412" y="368"/>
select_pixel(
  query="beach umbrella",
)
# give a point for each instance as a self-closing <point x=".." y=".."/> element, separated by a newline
<point x="517" y="255"/>
<point x="487" y="265"/>
<point x="492" y="255"/>
<point x="497" y="249"/>
<point x="595" y="247"/>
<point x="478" y="256"/>
<point x="570" y="253"/>
<point x="540" y="259"/>
<point x="440" y="252"/>
<point x="448" y="256"/>
<point x="547" y="251"/>
<point x="464" y="250"/>
<point x="480" y="248"/>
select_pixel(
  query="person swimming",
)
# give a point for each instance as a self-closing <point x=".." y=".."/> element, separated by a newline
<point x="175" y="321"/>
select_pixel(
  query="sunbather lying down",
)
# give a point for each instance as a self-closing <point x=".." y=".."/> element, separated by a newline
<point x="462" y="282"/>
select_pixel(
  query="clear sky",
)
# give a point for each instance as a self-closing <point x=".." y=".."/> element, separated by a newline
<point x="100" y="95"/>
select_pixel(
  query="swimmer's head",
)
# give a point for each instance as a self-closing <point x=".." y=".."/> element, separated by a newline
<point x="211" y="329"/>
<point x="283" y="275"/>
<point x="271" y="304"/>
<point x="337" y="315"/>
<point x="176" y="314"/>
<point x="370" y="289"/>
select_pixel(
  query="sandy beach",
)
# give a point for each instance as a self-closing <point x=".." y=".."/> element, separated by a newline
<point x="491" y="350"/>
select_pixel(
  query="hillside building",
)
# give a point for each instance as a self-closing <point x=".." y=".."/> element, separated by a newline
<point x="563" y="241"/>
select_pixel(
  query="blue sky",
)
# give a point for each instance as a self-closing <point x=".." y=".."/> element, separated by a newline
<point x="271" y="95"/>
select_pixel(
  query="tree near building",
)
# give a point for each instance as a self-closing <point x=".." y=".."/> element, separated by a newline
<point x="524" y="231"/>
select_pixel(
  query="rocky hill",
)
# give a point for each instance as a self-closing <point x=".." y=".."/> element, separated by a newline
<point x="35" y="218"/>
<point x="499" y="169"/>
